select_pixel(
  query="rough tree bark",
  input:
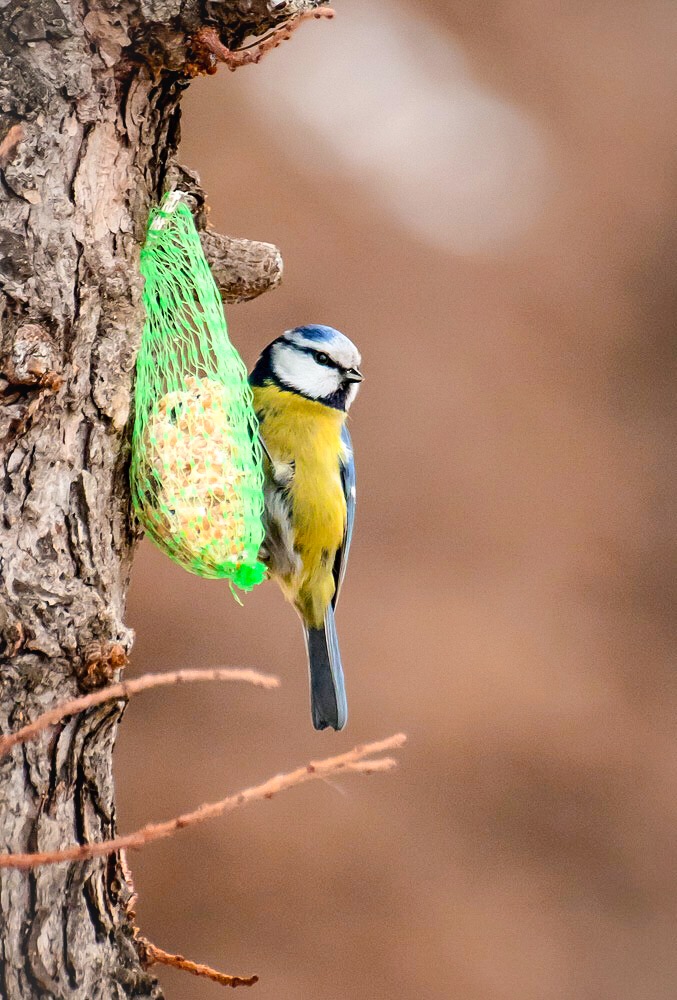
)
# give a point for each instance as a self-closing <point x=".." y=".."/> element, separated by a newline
<point x="89" y="98"/>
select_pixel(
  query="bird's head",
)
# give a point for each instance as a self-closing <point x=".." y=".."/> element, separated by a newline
<point x="317" y="362"/>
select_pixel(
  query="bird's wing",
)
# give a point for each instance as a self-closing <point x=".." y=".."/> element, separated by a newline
<point x="347" y="466"/>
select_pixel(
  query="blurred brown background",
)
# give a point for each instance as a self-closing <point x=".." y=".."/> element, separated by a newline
<point x="482" y="196"/>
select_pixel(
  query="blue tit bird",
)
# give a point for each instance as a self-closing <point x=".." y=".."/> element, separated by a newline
<point x="303" y="385"/>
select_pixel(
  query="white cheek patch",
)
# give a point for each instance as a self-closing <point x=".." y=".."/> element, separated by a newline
<point x="352" y="392"/>
<point x="300" y="371"/>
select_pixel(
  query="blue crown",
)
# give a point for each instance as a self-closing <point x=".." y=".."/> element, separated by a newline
<point x="321" y="334"/>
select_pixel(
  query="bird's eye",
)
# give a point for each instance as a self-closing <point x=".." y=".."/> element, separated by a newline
<point x="322" y="358"/>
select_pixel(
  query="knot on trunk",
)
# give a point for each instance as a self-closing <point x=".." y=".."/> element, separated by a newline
<point x="101" y="660"/>
<point x="32" y="359"/>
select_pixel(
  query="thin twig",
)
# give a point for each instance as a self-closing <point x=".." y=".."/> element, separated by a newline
<point x="127" y="688"/>
<point x="354" y="760"/>
<point x="208" y="39"/>
<point x="287" y="27"/>
<point x="151" y="954"/>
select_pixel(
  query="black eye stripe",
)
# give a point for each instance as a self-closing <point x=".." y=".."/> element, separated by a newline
<point x="329" y="363"/>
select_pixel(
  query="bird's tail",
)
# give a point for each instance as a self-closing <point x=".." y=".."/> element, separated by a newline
<point x="327" y="689"/>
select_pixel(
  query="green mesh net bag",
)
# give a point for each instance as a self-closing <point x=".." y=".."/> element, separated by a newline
<point x="196" y="473"/>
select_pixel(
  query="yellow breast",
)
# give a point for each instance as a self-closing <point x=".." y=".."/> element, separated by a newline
<point x="308" y="433"/>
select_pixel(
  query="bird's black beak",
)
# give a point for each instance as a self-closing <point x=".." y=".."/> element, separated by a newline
<point x="353" y="375"/>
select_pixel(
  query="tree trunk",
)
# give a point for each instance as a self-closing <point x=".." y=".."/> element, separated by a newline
<point x="89" y="94"/>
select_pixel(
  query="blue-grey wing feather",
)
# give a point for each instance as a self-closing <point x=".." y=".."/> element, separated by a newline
<point x="347" y="469"/>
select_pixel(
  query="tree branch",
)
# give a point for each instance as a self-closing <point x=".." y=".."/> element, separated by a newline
<point x="125" y="689"/>
<point x="151" y="954"/>
<point x="212" y="50"/>
<point x="242" y="269"/>
<point x="355" y="760"/>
